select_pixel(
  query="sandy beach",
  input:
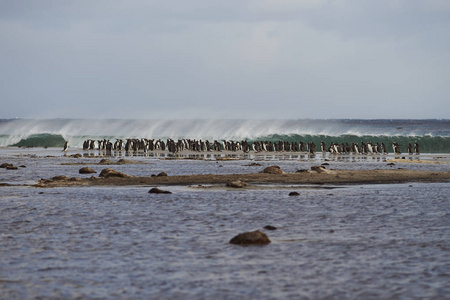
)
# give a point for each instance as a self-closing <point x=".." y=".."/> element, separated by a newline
<point x="308" y="177"/>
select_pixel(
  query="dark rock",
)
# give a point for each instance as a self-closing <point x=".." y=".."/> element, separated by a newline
<point x="158" y="191"/>
<point x="302" y="171"/>
<point x="162" y="174"/>
<point x="236" y="184"/>
<point x="294" y="194"/>
<point x="273" y="170"/>
<point x="105" y="161"/>
<point x="22" y="166"/>
<point x="123" y="161"/>
<point x="391" y="164"/>
<point x="112" y="173"/>
<point x="78" y="155"/>
<point x="11" y="167"/>
<point x="60" y="178"/>
<point x="5" y="165"/>
<point x="325" y="164"/>
<point x="270" y="227"/>
<point x="251" y="238"/>
<point x="86" y="170"/>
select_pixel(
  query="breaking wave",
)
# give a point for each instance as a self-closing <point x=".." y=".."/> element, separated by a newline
<point x="432" y="135"/>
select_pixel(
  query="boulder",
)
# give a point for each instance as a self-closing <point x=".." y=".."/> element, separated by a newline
<point x="86" y="170"/>
<point x="273" y="170"/>
<point x="105" y="161"/>
<point x="106" y="173"/>
<point x="124" y="161"/>
<point x="251" y="238"/>
<point x="158" y="191"/>
<point x="236" y="184"/>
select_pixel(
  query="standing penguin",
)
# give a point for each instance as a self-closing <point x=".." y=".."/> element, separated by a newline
<point x="410" y="149"/>
<point x="416" y="148"/>
<point x="66" y="146"/>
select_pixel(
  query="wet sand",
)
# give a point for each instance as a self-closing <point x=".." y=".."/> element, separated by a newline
<point x="309" y="177"/>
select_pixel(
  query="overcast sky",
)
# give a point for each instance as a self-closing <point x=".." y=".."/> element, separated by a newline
<point x="255" y="59"/>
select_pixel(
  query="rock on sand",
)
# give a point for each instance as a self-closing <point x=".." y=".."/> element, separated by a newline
<point x="107" y="173"/>
<point x="86" y="170"/>
<point x="251" y="238"/>
<point x="273" y="170"/>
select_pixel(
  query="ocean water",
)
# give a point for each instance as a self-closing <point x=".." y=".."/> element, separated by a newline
<point x="433" y="136"/>
<point x="389" y="241"/>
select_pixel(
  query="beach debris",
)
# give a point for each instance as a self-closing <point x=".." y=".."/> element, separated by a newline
<point x="156" y="190"/>
<point x="106" y="173"/>
<point x="251" y="238"/>
<point x="87" y="170"/>
<point x="273" y="170"/>
<point x="294" y="194"/>
<point x="236" y="184"/>
<point x="270" y="227"/>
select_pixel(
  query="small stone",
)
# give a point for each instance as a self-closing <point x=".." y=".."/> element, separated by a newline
<point x="86" y="170"/>
<point x="294" y="194"/>
<point x="5" y="165"/>
<point x="112" y="173"/>
<point x="273" y="170"/>
<point x="236" y="184"/>
<point x="270" y="227"/>
<point x="251" y="238"/>
<point x="162" y="174"/>
<point x="158" y="191"/>
<point x="11" y="167"/>
<point x="60" y="178"/>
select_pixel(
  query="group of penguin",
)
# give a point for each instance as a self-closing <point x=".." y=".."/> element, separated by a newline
<point x="148" y="145"/>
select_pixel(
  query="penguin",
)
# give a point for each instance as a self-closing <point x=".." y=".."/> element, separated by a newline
<point x="66" y="146"/>
<point x="410" y="149"/>
<point x="416" y="148"/>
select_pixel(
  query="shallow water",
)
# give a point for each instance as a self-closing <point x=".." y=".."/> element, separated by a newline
<point x="336" y="242"/>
